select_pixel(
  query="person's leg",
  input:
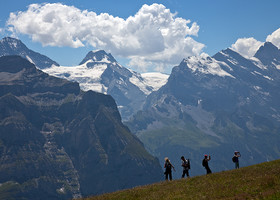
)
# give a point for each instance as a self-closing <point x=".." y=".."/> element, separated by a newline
<point x="188" y="175"/>
<point x="166" y="175"/>
<point x="184" y="172"/>
<point x="170" y="176"/>
<point x="208" y="170"/>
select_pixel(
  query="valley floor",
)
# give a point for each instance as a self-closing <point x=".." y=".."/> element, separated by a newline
<point x="260" y="181"/>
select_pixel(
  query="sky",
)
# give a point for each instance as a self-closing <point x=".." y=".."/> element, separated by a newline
<point x="143" y="35"/>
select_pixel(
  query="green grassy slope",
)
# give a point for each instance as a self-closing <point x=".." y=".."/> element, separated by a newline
<point x="260" y="181"/>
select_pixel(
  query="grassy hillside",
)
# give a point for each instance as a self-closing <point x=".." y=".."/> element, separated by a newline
<point x="260" y="181"/>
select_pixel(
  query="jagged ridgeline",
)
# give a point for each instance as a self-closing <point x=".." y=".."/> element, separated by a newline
<point x="215" y="105"/>
<point x="58" y="142"/>
<point x="12" y="46"/>
<point x="99" y="72"/>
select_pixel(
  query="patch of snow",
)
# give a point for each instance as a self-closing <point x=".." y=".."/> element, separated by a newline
<point x="29" y="59"/>
<point x="14" y="44"/>
<point x="257" y="88"/>
<point x="269" y="78"/>
<point x="104" y="60"/>
<point x="224" y="54"/>
<point x="206" y="65"/>
<point x="232" y="61"/>
<point x="258" y="63"/>
<point x="140" y="84"/>
<point x="155" y="79"/>
<point x="258" y="73"/>
<point x="277" y="66"/>
<point x="89" y="78"/>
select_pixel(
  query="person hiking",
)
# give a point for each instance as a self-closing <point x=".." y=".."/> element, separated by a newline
<point x="186" y="167"/>
<point x="168" y="169"/>
<point x="205" y="163"/>
<point x="235" y="159"/>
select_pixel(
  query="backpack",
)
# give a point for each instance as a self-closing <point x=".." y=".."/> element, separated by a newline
<point x="186" y="164"/>
<point x="189" y="164"/>
<point x="234" y="159"/>
<point x="203" y="163"/>
<point x="168" y="165"/>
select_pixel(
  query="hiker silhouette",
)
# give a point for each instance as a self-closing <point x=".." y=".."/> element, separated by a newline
<point x="186" y="167"/>
<point x="168" y="169"/>
<point x="205" y="164"/>
<point x="235" y="159"/>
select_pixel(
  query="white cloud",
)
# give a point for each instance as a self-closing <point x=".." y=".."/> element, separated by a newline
<point x="247" y="47"/>
<point x="154" y="35"/>
<point x="274" y="38"/>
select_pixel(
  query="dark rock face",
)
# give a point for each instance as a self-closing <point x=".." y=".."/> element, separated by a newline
<point x="12" y="46"/>
<point x="268" y="54"/>
<point x="97" y="57"/>
<point x="58" y="142"/>
<point x="216" y="105"/>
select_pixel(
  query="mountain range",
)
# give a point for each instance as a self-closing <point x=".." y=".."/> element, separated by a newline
<point x="60" y="142"/>
<point x="99" y="72"/>
<point x="209" y="105"/>
<point x="215" y="105"/>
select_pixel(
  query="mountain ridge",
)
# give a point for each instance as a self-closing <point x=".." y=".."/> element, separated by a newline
<point x="12" y="46"/>
<point x="219" y="105"/>
<point x="100" y="72"/>
<point x="57" y="139"/>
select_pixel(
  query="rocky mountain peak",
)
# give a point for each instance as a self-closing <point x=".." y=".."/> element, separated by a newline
<point x="230" y="53"/>
<point x="12" y="44"/>
<point x="206" y="65"/>
<point x="268" y="53"/>
<point x="98" y="56"/>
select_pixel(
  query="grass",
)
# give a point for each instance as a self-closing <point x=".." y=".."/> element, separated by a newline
<point x="260" y="181"/>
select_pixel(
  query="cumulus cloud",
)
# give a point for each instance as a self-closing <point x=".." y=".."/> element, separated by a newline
<point x="274" y="38"/>
<point x="247" y="47"/>
<point x="153" y="36"/>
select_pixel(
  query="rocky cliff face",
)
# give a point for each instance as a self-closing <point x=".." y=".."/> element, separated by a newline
<point x="58" y="142"/>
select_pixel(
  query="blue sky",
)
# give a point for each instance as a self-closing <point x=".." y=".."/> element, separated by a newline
<point x="155" y="37"/>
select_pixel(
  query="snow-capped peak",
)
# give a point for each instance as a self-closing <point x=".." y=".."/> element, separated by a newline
<point x="12" y="42"/>
<point x="98" y="56"/>
<point x="206" y="65"/>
